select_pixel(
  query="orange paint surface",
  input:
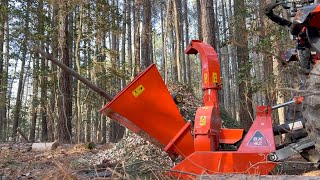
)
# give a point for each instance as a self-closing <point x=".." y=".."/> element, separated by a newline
<point x="147" y="103"/>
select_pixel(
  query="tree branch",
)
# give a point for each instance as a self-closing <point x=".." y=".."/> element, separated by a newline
<point x="70" y="71"/>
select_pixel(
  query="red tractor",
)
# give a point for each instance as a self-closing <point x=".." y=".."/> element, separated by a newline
<point x="304" y="27"/>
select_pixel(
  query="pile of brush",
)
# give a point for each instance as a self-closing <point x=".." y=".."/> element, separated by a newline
<point x="135" y="157"/>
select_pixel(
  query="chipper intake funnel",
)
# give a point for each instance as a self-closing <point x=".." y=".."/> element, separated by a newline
<point x="147" y="103"/>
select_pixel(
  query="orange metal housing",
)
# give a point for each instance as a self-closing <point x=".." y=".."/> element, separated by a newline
<point x="147" y="103"/>
<point x="210" y="63"/>
<point x="250" y="158"/>
<point x="230" y="136"/>
<point x="315" y="18"/>
<point x="207" y="125"/>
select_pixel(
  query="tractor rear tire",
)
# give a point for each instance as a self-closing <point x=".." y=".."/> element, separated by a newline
<point x="294" y="112"/>
<point x="311" y="106"/>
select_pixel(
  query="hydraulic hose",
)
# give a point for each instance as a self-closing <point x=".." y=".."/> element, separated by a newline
<point x="275" y="18"/>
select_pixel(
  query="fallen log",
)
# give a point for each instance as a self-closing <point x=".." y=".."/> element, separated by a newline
<point x="25" y="147"/>
<point x="45" y="146"/>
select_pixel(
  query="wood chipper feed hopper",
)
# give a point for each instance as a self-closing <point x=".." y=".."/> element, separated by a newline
<point x="146" y="107"/>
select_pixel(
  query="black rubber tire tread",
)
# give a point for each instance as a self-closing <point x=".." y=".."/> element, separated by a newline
<point x="293" y="113"/>
<point x="311" y="106"/>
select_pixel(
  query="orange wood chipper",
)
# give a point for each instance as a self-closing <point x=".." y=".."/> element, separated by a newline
<point x="146" y="107"/>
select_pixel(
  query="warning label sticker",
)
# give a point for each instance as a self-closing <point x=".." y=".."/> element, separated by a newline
<point x="203" y="120"/>
<point x="258" y="139"/>
<point x="138" y="91"/>
<point x="214" y="77"/>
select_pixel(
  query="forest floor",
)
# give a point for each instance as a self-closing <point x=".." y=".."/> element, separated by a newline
<point x="108" y="162"/>
<point x="131" y="158"/>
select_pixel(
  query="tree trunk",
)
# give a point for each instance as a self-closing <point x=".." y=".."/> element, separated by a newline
<point x="267" y="65"/>
<point x="123" y="46"/>
<point x="164" y="42"/>
<point x="130" y="68"/>
<point x="219" y="50"/>
<point x="17" y="108"/>
<point x="6" y="75"/>
<point x="65" y="96"/>
<point x="163" y="55"/>
<point x="183" y="60"/>
<point x="245" y="92"/>
<point x="116" y="130"/>
<point x="177" y="25"/>
<point x="137" y="4"/>
<point x="199" y="20"/>
<point x="146" y="35"/>
<point x="78" y="41"/>
<point x="87" y="55"/>
<point x="53" y="76"/>
<point x="225" y="54"/>
<point x="186" y="21"/>
<point x="43" y="82"/>
<point x="3" y="91"/>
<point x="174" y="66"/>
<point x="233" y="66"/>
<point x="88" y="123"/>
<point x="207" y="22"/>
<point x="103" y="122"/>
<point x="34" y="104"/>
<point x="117" y="47"/>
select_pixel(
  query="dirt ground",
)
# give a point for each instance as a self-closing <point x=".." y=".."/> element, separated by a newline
<point x="77" y="162"/>
<point x="68" y="162"/>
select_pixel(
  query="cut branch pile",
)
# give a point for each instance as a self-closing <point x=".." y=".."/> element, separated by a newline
<point x="135" y="156"/>
<point x="190" y="103"/>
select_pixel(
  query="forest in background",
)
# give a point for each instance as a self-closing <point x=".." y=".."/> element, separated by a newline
<point x="110" y="42"/>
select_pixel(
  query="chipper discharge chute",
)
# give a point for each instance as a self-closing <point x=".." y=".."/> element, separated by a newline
<point x="147" y="104"/>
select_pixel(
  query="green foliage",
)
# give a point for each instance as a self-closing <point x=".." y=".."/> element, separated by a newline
<point x="264" y="43"/>
<point x="90" y="145"/>
<point x="227" y="120"/>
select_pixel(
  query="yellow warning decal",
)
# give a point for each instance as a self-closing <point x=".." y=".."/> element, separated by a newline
<point x="138" y="91"/>
<point x="203" y="120"/>
<point x="214" y="77"/>
<point x="205" y="77"/>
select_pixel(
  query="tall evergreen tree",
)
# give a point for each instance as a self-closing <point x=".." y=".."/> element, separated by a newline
<point x="245" y="92"/>
<point x="24" y="46"/>
<point x="65" y="90"/>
